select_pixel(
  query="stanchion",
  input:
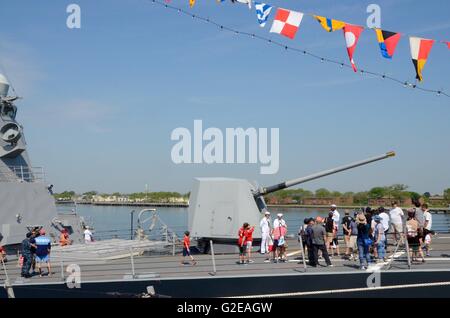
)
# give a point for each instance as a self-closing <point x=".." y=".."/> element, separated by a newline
<point x="214" y="272"/>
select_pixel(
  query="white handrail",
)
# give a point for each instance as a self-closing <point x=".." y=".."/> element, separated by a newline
<point x="22" y="174"/>
<point x="8" y="285"/>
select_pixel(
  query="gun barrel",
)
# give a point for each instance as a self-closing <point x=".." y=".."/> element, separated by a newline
<point x="321" y="174"/>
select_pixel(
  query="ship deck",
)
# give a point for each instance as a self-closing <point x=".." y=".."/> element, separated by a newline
<point x="167" y="267"/>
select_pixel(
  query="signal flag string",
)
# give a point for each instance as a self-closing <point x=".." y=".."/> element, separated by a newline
<point x="301" y="51"/>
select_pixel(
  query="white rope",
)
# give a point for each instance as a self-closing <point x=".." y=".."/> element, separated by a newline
<point x="349" y="290"/>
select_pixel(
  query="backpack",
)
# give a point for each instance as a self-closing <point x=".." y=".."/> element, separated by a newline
<point x="410" y="232"/>
<point x="329" y="225"/>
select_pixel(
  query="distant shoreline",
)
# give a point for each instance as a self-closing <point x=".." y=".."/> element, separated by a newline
<point x="143" y="204"/>
<point x="186" y="205"/>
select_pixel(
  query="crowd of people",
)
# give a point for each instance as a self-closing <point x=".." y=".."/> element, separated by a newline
<point x="365" y="234"/>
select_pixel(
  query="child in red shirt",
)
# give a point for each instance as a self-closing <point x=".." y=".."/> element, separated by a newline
<point x="245" y="239"/>
<point x="242" y="243"/>
<point x="249" y="241"/>
<point x="186" y="248"/>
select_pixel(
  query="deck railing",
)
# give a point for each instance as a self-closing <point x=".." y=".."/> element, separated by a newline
<point x="22" y="174"/>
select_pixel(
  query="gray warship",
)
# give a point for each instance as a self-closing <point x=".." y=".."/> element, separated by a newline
<point x="26" y="201"/>
<point x="148" y="264"/>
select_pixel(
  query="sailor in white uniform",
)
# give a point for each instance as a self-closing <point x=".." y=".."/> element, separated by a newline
<point x="265" y="232"/>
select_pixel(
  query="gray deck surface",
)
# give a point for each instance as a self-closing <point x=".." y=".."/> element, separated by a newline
<point x="166" y="267"/>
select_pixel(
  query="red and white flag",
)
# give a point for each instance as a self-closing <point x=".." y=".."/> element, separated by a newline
<point x="420" y="48"/>
<point x="286" y="22"/>
<point x="351" y="34"/>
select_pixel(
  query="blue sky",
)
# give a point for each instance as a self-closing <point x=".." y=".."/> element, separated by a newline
<point x="99" y="103"/>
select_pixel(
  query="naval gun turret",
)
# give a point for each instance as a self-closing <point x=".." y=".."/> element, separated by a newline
<point x="219" y="206"/>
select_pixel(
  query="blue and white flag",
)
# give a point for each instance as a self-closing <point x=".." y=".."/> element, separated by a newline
<point x="262" y="12"/>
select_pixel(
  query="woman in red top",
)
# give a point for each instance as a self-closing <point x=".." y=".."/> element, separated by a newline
<point x="186" y="248"/>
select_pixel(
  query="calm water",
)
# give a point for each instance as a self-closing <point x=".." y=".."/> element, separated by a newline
<point x="115" y="221"/>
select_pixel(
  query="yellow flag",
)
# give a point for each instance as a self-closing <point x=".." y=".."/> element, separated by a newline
<point x="329" y="24"/>
<point x="191" y="3"/>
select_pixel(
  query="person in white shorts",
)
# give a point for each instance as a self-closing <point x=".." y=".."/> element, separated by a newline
<point x="396" y="216"/>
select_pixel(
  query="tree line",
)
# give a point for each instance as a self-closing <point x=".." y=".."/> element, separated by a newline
<point x="396" y="192"/>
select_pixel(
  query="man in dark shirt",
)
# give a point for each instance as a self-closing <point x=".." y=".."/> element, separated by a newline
<point x="346" y="222"/>
<point x="308" y="241"/>
<point x="318" y="241"/>
<point x="27" y="257"/>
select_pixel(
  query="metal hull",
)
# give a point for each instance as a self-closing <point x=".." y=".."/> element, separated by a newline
<point x="24" y="205"/>
<point x="354" y="284"/>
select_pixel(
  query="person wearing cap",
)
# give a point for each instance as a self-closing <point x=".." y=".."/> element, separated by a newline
<point x="318" y="242"/>
<point x="43" y="246"/>
<point x="336" y="219"/>
<point x="308" y="241"/>
<point x="379" y="238"/>
<point x="330" y="231"/>
<point x="279" y="232"/>
<point x="346" y="231"/>
<point x="427" y="227"/>
<point x="27" y="257"/>
<point x="363" y="241"/>
<point x="265" y="232"/>
<point x="302" y="232"/>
